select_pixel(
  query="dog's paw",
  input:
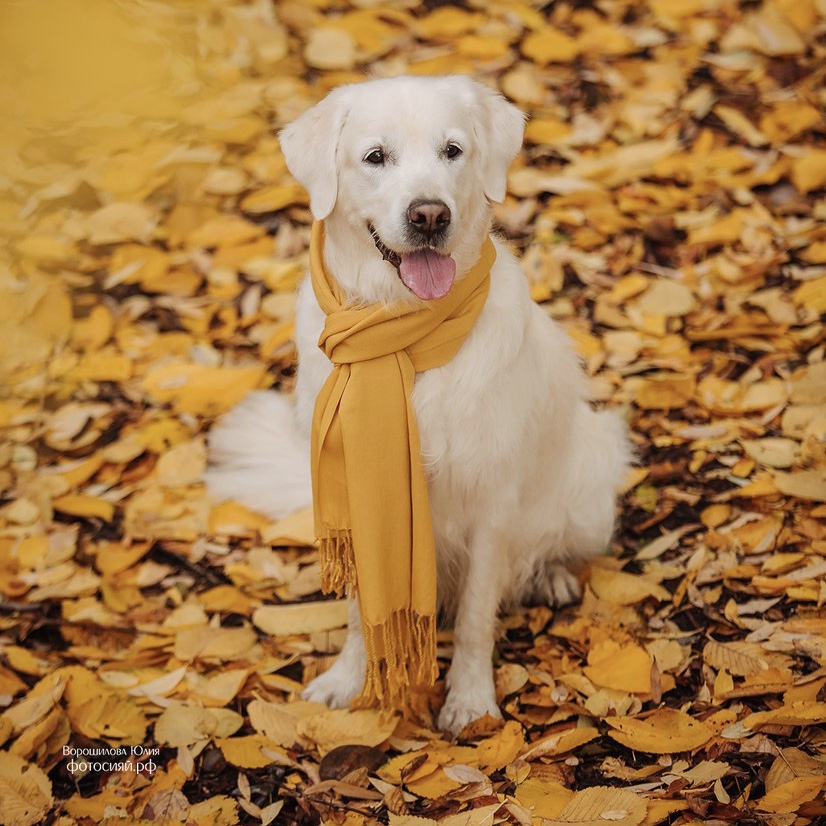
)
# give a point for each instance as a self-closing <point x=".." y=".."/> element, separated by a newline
<point x="462" y="708"/>
<point x="561" y="587"/>
<point x="337" y="687"/>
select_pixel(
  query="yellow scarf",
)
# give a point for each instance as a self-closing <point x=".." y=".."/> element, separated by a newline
<point x="372" y="514"/>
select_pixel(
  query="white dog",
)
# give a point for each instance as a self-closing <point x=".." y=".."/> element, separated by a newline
<point x="522" y="473"/>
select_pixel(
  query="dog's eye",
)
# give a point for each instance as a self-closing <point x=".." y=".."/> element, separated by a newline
<point x="375" y="157"/>
<point x="453" y="150"/>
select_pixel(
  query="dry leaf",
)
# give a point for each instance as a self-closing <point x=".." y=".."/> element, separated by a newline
<point x="665" y="731"/>
<point x="26" y="792"/>
<point x="602" y="804"/>
<point x="303" y="618"/>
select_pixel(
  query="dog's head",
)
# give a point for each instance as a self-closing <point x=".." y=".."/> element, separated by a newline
<point x="408" y="166"/>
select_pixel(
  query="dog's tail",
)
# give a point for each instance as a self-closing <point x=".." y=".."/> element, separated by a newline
<point x="258" y="457"/>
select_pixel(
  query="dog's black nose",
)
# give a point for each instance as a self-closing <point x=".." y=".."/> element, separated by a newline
<point x="428" y="217"/>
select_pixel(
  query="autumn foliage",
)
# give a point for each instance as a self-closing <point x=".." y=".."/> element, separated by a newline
<point x="670" y="208"/>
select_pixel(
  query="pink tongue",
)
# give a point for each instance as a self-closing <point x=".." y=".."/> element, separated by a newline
<point x="427" y="274"/>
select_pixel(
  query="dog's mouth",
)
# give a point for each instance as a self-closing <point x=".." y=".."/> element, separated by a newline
<point x="426" y="272"/>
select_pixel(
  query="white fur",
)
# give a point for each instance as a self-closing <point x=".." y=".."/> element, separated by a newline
<point x="522" y="472"/>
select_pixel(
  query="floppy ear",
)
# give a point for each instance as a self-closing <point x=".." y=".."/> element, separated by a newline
<point x="309" y="145"/>
<point x="499" y="126"/>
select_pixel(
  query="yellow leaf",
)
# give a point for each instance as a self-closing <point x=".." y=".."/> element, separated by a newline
<point x="619" y="667"/>
<point x="803" y="484"/>
<point x="628" y="286"/>
<point x="199" y="389"/>
<point x="25" y="791"/>
<point x="789" y="118"/>
<point x="766" y="31"/>
<point x="227" y="598"/>
<point x="75" y="474"/>
<point x="546" y="131"/>
<point x="665" y="731"/>
<point x="232" y="519"/>
<point x="482" y="47"/>
<point x="550" y="46"/>
<point x="296" y="529"/>
<point x="93" y="808"/>
<point x="664" y="391"/>
<point x="45" y="248"/>
<point x="245" y="752"/>
<point x="738" y="658"/>
<point x="39" y="701"/>
<point x="76" y="504"/>
<point x="111" y="717"/>
<point x="772" y="452"/>
<point x="138" y="264"/>
<point x="510" y="678"/>
<point x="221" y="688"/>
<point x="94" y="331"/>
<point x="184" y="725"/>
<point x="809" y="384"/>
<point x="560" y="743"/>
<point x="224" y="231"/>
<point x="225" y="180"/>
<point x="503" y="748"/>
<point x="183" y="465"/>
<point x="282" y="334"/>
<point x="796" y="714"/>
<point x="666" y="297"/>
<point x="543" y="798"/>
<point x="809" y="172"/>
<point x="330" y="48"/>
<point x="120" y="221"/>
<point x="725" y="230"/>
<point x="240" y="130"/>
<point x="815" y="253"/>
<point x="273" y="198"/>
<point x="301" y="618"/>
<point x="789" y="797"/>
<point x="410" y="820"/>
<point x="112" y="558"/>
<point x="727" y="397"/>
<point x="723" y="684"/>
<point x="812" y="295"/>
<point x="279" y="721"/>
<point x="366" y="727"/>
<point x="160" y="686"/>
<point x="207" y="643"/>
<point x="433" y="785"/>
<point x="625" y="589"/>
<point x="102" y="367"/>
<point x="735" y="120"/>
<point x="600" y="805"/>
<point x="449" y="22"/>
<point x="659" y="810"/>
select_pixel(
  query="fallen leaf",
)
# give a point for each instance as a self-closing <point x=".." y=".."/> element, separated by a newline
<point x="665" y="731"/>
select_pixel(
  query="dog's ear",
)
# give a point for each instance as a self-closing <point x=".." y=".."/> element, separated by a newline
<point x="309" y="145"/>
<point x="499" y="127"/>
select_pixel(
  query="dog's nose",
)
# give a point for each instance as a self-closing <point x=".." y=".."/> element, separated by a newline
<point x="428" y="217"/>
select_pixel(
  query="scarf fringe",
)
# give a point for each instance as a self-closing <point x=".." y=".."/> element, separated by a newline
<point x="401" y="653"/>
<point x="338" y="564"/>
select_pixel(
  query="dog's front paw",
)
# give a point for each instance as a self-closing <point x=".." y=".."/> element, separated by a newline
<point x="338" y="686"/>
<point x="561" y="587"/>
<point x="462" y="708"/>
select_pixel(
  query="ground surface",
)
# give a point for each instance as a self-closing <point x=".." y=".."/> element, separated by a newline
<point x="670" y="202"/>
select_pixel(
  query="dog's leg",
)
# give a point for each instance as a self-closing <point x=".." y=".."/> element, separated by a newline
<point x="342" y="682"/>
<point x="470" y="689"/>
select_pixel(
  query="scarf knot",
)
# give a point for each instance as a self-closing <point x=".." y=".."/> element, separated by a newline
<point x="371" y="508"/>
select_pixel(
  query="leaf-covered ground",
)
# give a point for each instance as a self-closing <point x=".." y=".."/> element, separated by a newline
<point x="670" y="203"/>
